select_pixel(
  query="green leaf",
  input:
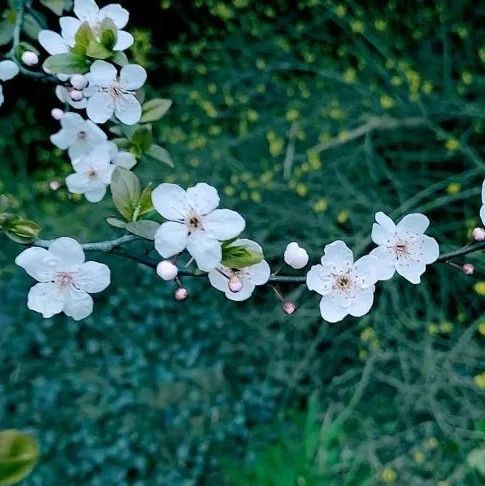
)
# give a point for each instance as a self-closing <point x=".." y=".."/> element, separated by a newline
<point x="126" y="191"/>
<point x="3" y="203"/>
<point x="66" y="64"/>
<point x="84" y="36"/>
<point x="97" y="51"/>
<point x="117" y="223"/>
<point x="145" y="228"/>
<point x="20" y="230"/>
<point x="31" y="26"/>
<point x="154" y="110"/>
<point x="240" y="256"/>
<point x="142" y="139"/>
<point x="6" y="32"/>
<point x="145" y="205"/>
<point x="120" y="58"/>
<point x="160" y="154"/>
<point x="122" y="143"/>
<point x="19" y="454"/>
<point x="56" y="6"/>
<point x="108" y="34"/>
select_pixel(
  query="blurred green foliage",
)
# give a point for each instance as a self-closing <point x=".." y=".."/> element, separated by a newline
<point x="308" y="116"/>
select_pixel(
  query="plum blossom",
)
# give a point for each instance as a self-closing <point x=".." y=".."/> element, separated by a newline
<point x="248" y="277"/>
<point x="8" y="70"/>
<point x="482" y="209"/>
<point x="110" y="94"/>
<point x="120" y="158"/>
<point x="295" y="256"/>
<point x="403" y="248"/>
<point x="65" y="279"/>
<point x="346" y="287"/>
<point x="194" y="223"/>
<point x="92" y="175"/>
<point x="77" y="135"/>
<point x="64" y="95"/>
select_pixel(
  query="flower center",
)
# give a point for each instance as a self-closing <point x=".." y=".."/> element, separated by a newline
<point x="343" y="282"/>
<point x="82" y="135"/>
<point x="63" y="279"/>
<point x="92" y="174"/>
<point x="401" y="249"/>
<point x="194" y="222"/>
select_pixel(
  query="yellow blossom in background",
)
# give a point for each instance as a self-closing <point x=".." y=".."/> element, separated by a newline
<point x="320" y="206"/>
<point x="419" y="457"/>
<point x="453" y="188"/>
<point x="388" y="475"/>
<point x="481" y="328"/>
<point x="432" y="443"/>
<point x="452" y="144"/>
<point x="387" y="102"/>
<point x="343" y="216"/>
<point x="479" y="380"/>
<point x="479" y="288"/>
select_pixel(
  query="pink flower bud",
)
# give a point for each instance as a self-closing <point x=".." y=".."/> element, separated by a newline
<point x="181" y="294"/>
<point x="57" y="113"/>
<point x="54" y="185"/>
<point x="235" y="284"/>
<point x="76" y="95"/>
<point x="468" y="269"/>
<point x="288" y="307"/>
<point x="167" y="270"/>
<point x="478" y="234"/>
<point x="78" y="81"/>
<point x="30" y="58"/>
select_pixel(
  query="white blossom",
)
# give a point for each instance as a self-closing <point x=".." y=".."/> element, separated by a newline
<point x="77" y="135"/>
<point x="64" y="95"/>
<point x="403" y="248"/>
<point x="111" y="94"/>
<point x="346" y="287"/>
<point x="92" y="174"/>
<point x="8" y="70"/>
<point x="65" y="279"/>
<point x="194" y="223"/>
<point x="482" y="209"/>
<point x="295" y="256"/>
<point x="248" y="277"/>
<point x="120" y="158"/>
<point x="30" y="58"/>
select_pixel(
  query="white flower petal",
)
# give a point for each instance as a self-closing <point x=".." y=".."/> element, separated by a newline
<point x="77" y="304"/>
<point x="92" y="277"/>
<point x="8" y="70"/>
<point x="100" y="107"/>
<point x="77" y="183"/>
<point x="38" y="263"/>
<point x="63" y="94"/>
<point x="86" y="10"/>
<point x="46" y="299"/>
<point x="223" y="224"/>
<point x="63" y="139"/>
<point x="385" y="221"/>
<point x="426" y="249"/>
<point x="202" y="198"/>
<point x="132" y="77"/>
<point x="171" y="238"/>
<point x="52" y="42"/>
<point x="259" y="272"/>
<point x="69" y="28"/>
<point x="246" y="291"/>
<point x="482" y="214"/>
<point x="72" y="121"/>
<point x="218" y="280"/>
<point x="318" y="280"/>
<point x="2" y="98"/>
<point x="102" y="74"/>
<point x="386" y="262"/>
<point x="363" y="303"/>
<point x="382" y="235"/>
<point x="414" y="223"/>
<point x="128" y="109"/>
<point x="125" y="160"/>
<point x="366" y="270"/>
<point x="124" y="41"/>
<point x="206" y="252"/>
<point x="95" y="192"/>
<point x="68" y="250"/>
<point x="330" y="310"/>
<point x="170" y="201"/>
<point x="116" y="13"/>
<point x="338" y="255"/>
<point x="411" y="270"/>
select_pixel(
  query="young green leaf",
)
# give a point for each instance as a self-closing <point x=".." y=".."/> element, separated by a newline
<point x="84" y="36"/>
<point x="108" y="34"/>
<point x="160" y="154"/>
<point x="120" y="58"/>
<point x="240" y="256"/>
<point x="97" y="51"/>
<point x="155" y="109"/>
<point x="66" y="63"/>
<point x="126" y="191"/>
<point x="117" y="223"/>
<point x="145" y="228"/>
<point x="142" y="139"/>
<point x="56" y="6"/>
<point x="145" y="205"/>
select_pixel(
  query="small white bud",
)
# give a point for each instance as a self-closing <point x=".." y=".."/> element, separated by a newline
<point x="478" y="234"/>
<point x="167" y="270"/>
<point x="54" y="185"/>
<point x="30" y="58"/>
<point x="76" y="95"/>
<point x="78" y="81"/>
<point x="468" y="269"/>
<point x="235" y="284"/>
<point x="181" y="294"/>
<point x="295" y="256"/>
<point x="57" y="114"/>
<point x="288" y="307"/>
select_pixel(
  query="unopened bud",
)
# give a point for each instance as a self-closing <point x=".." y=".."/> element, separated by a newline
<point x="54" y="185"/>
<point x="295" y="256"/>
<point x="468" y="269"/>
<point x="235" y="284"/>
<point x="78" y="81"/>
<point x="478" y="234"/>
<point x="181" y="294"/>
<point x="76" y="95"/>
<point x="57" y="114"/>
<point x="167" y="270"/>
<point x="288" y="307"/>
<point x="30" y="58"/>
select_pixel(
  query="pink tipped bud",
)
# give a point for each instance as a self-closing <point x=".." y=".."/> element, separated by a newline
<point x="167" y="270"/>
<point x="468" y="269"/>
<point x="235" y="284"/>
<point x="76" y="95"/>
<point x="30" y="58"/>
<point x="181" y="294"/>
<point x="478" y="234"/>
<point x="78" y="81"/>
<point x="288" y="307"/>
<point x="54" y="185"/>
<point x="57" y="114"/>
